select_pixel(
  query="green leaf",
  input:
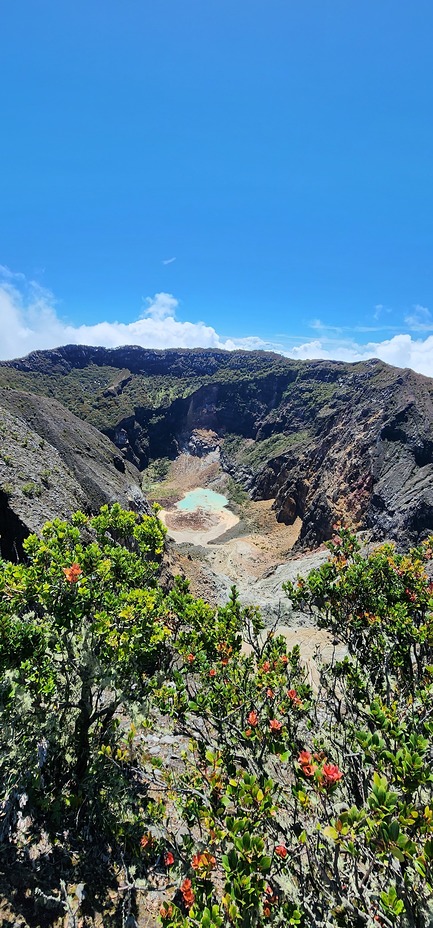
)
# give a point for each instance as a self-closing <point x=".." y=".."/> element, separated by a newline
<point x="330" y="832"/>
<point x="264" y="864"/>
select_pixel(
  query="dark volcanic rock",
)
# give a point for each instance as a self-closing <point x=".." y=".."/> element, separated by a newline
<point x="52" y="463"/>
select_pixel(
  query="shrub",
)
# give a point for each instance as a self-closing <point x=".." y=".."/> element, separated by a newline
<point x="291" y="806"/>
<point x="314" y="808"/>
<point x="82" y="631"/>
<point x="31" y="489"/>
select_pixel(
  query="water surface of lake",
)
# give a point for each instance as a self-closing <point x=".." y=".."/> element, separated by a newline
<point x="202" y="499"/>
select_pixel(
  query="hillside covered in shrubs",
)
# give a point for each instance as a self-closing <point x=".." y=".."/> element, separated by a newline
<point x="286" y="803"/>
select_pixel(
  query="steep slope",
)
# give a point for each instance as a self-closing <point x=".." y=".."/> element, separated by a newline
<point x="327" y="440"/>
<point x="52" y="463"/>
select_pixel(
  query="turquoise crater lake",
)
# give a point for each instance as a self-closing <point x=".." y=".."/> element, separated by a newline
<point x="199" y="518"/>
<point x="202" y="499"/>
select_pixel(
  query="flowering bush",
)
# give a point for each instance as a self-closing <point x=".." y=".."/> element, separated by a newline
<point x="289" y="806"/>
<point x="82" y="630"/>
<point x="315" y="807"/>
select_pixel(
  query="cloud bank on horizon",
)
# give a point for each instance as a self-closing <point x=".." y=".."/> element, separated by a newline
<point x="30" y="321"/>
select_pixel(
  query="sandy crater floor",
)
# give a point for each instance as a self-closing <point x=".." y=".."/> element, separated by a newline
<point x="197" y="528"/>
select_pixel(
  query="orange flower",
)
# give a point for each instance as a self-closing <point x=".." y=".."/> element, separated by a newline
<point x="284" y="659"/>
<point x="309" y="770"/>
<point x="187" y="893"/>
<point x="72" y="573"/>
<point x="271" y="899"/>
<point x="168" y="859"/>
<point x="224" y="661"/>
<point x="146" y="841"/>
<point x="190" y="658"/>
<point x="253" y="719"/>
<point x="166" y="911"/>
<point x="296" y="700"/>
<point x="248" y="732"/>
<point x="270" y="693"/>
<point x="275" y="726"/>
<point x="212" y="673"/>
<point x="266" y="667"/>
<point x="331" y="774"/>
<point x="203" y="863"/>
<point x="281" y="851"/>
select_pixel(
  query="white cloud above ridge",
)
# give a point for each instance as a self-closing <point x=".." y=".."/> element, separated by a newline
<point x="402" y="350"/>
<point x="29" y="321"/>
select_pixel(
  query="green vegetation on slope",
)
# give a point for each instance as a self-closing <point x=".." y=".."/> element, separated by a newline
<point x="104" y="394"/>
<point x="255" y="454"/>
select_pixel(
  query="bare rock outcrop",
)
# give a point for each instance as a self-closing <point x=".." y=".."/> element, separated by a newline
<point x="52" y="463"/>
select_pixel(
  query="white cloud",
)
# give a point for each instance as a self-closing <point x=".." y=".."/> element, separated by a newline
<point x="420" y="319"/>
<point x="168" y="261"/>
<point x="401" y="350"/>
<point x="29" y="320"/>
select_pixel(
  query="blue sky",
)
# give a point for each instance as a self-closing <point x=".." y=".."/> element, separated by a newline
<point x="257" y="170"/>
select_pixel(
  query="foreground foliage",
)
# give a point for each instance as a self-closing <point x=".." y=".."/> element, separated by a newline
<point x="292" y="805"/>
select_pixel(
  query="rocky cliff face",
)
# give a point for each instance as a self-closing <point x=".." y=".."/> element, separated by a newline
<point x="368" y="460"/>
<point x="327" y="440"/>
<point x="52" y="463"/>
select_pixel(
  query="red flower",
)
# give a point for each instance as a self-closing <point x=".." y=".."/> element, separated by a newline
<point x="166" y="911"/>
<point x="331" y="774"/>
<point x="284" y="659"/>
<point x="187" y="893"/>
<point x="305" y="758"/>
<point x="168" y="859"/>
<point x="72" y="573"/>
<point x="248" y="732"/>
<point x="190" y="658"/>
<point x="281" y="851"/>
<point x="253" y="719"/>
<point x="275" y="726"/>
<point x="212" y="673"/>
<point x="266" y="667"/>
<point x="145" y="841"/>
<point x="270" y="693"/>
